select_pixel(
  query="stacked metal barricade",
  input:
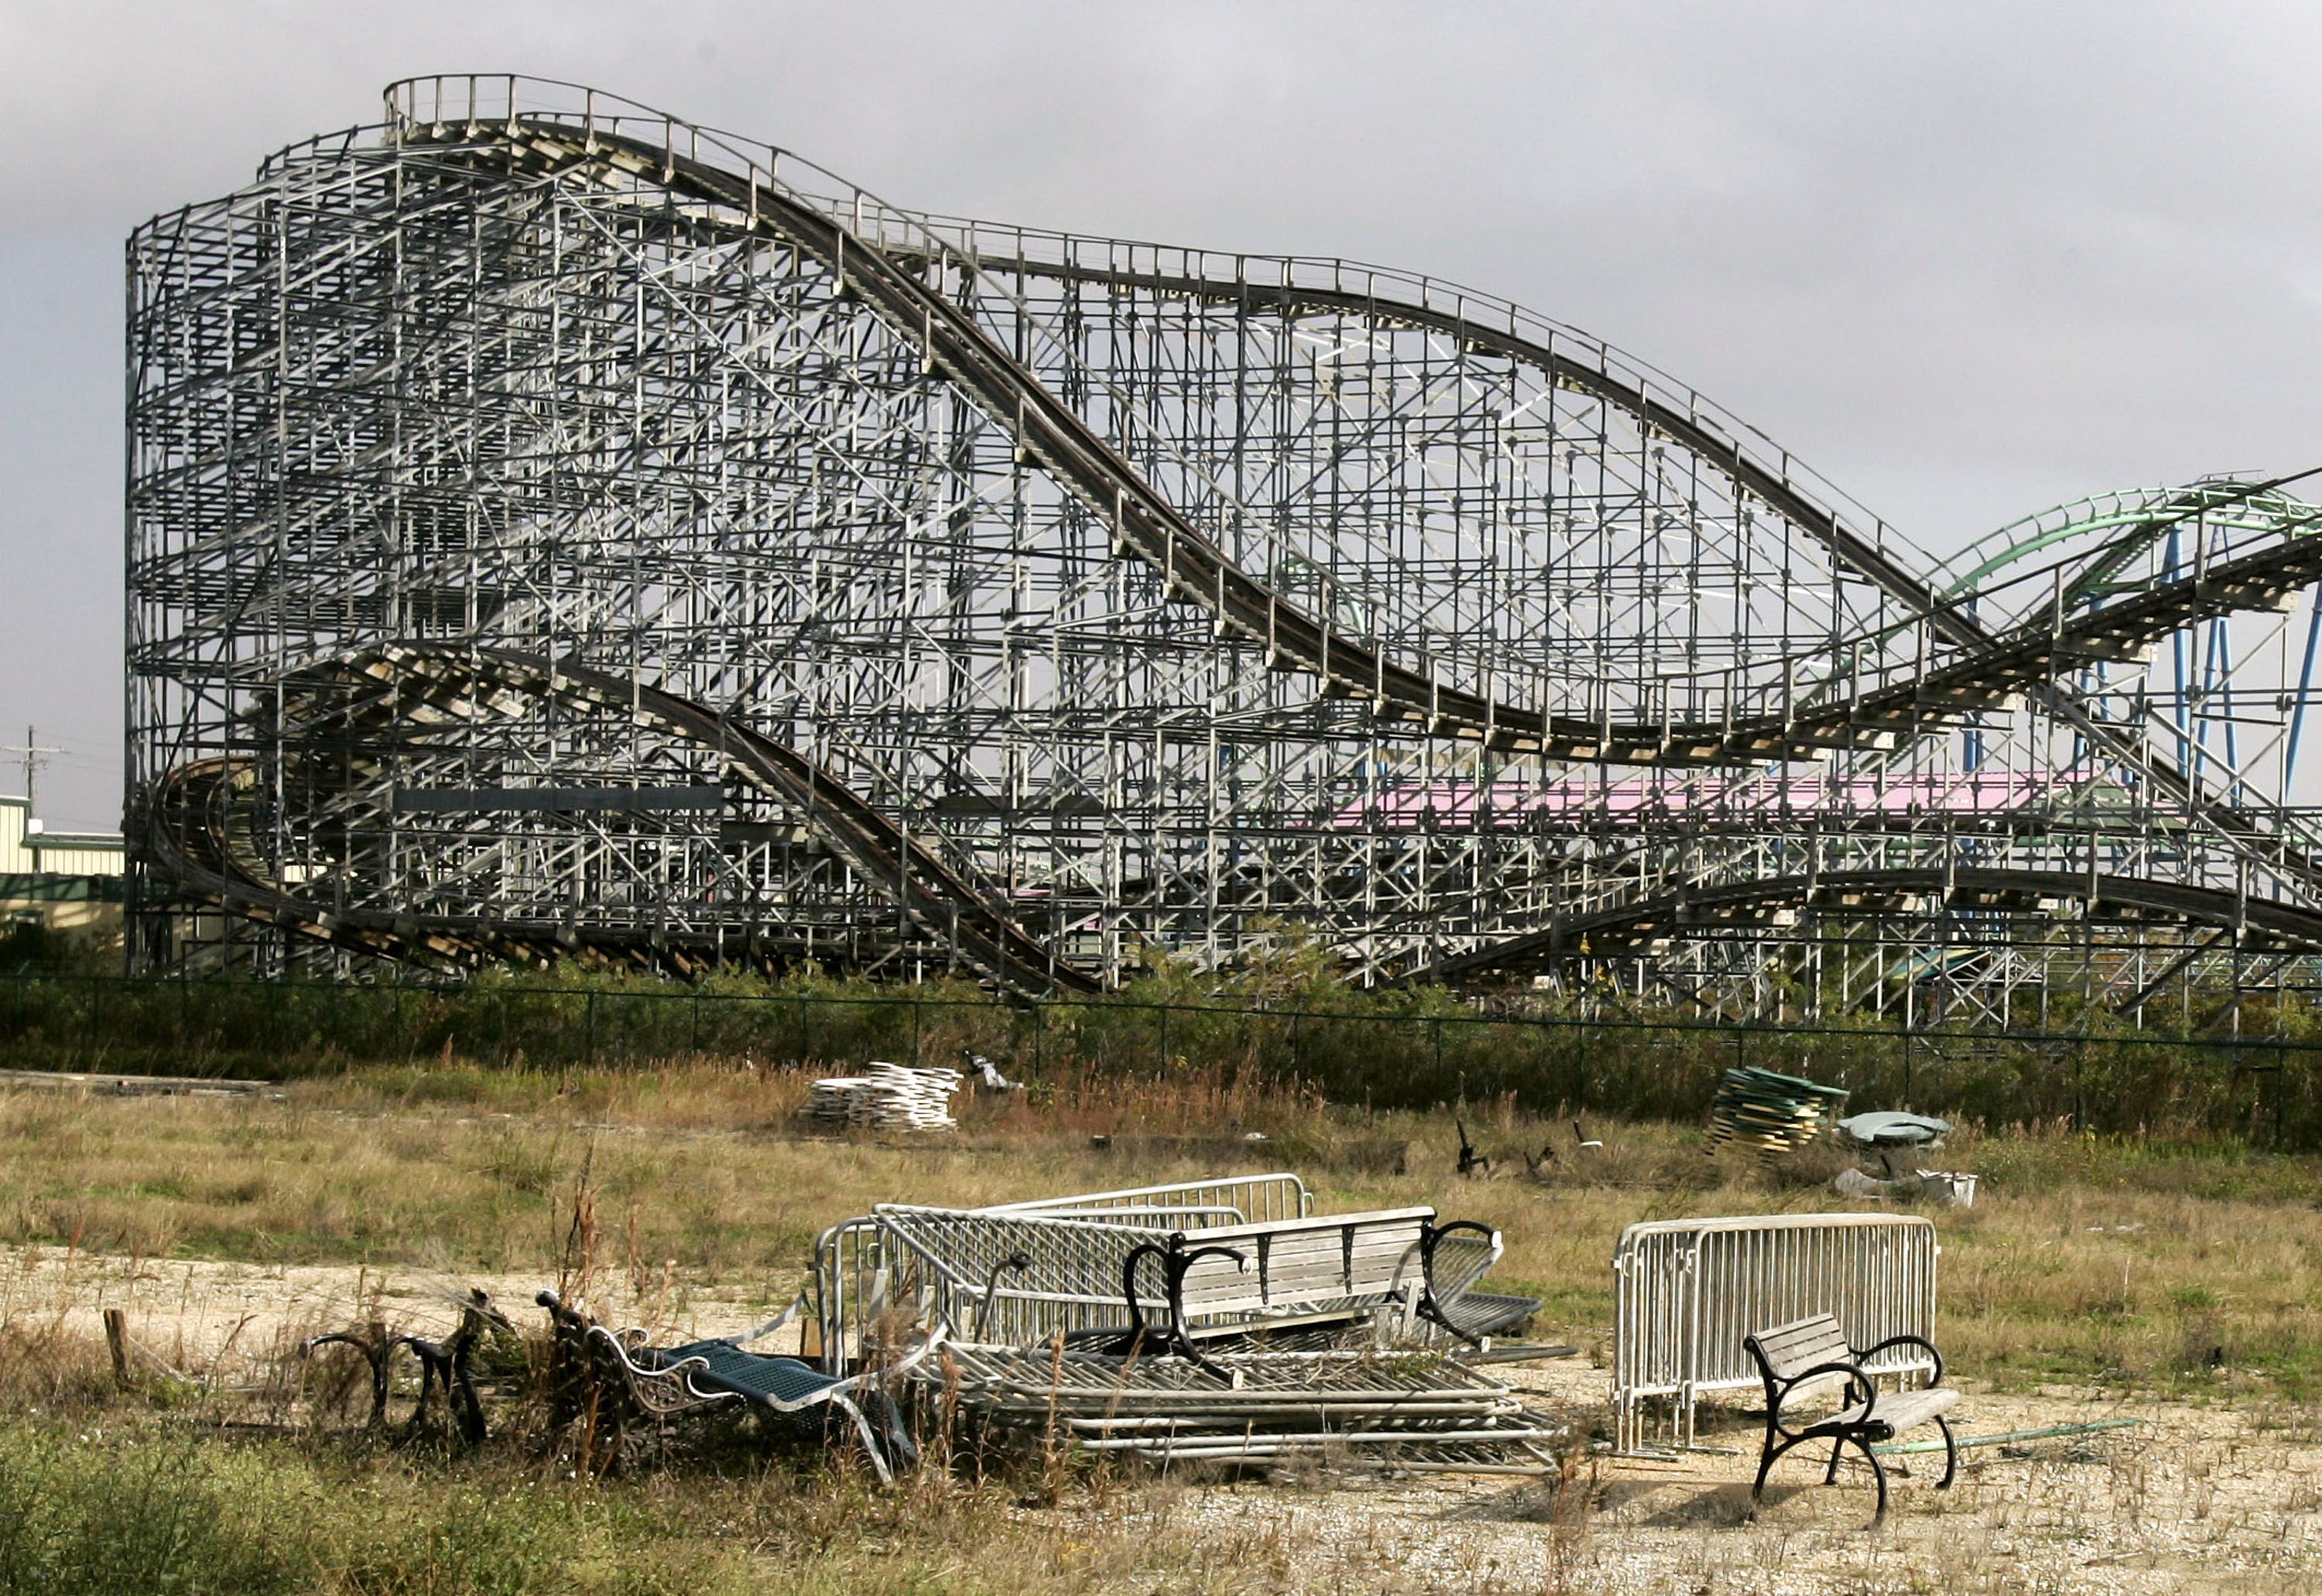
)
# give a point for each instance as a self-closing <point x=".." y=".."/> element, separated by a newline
<point x="1416" y="1410"/>
<point x="1033" y="1296"/>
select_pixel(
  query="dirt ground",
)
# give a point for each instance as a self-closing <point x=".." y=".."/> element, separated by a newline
<point x="2208" y="1497"/>
<point x="2200" y="1497"/>
<point x="223" y="1322"/>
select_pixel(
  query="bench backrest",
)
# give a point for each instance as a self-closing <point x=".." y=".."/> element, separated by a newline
<point x="1302" y="1263"/>
<point x="1789" y="1351"/>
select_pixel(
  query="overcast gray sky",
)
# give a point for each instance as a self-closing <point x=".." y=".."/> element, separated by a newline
<point x="1968" y="259"/>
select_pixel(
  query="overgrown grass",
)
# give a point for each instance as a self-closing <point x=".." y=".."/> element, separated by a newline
<point x="2150" y="1264"/>
<point x="1291" y="1024"/>
<point x="2156" y="1263"/>
<point x="114" y="1501"/>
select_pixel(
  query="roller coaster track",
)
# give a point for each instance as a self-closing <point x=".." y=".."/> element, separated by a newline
<point x="1738" y="907"/>
<point x="191" y="829"/>
<point x="1192" y="567"/>
<point x="1996" y="670"/>
<point x="199" y="848"/>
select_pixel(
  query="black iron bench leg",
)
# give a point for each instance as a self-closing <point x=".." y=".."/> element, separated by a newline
<point x="1174" y="1261"/>
<point x="374" y="1353"/>
<point x="377" y="1357"/>
<point x="1775" y="1450"/>
<point x="1837" y="1451"/>
<point x="1951" y="1454"/>
<point x="1178" y="1263"/>
<point x="1430" y="1308"/>
<point x="467" y="1409"/>
<point x="1133" y="1343"/>
<point x="433" y="1370"/>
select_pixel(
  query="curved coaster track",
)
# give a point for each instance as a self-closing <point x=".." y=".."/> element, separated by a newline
<point x="558" y="527"/>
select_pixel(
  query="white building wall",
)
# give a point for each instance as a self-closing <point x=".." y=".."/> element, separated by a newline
<point x="54" y="854"/>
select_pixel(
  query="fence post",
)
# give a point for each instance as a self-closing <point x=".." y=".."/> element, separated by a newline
<point x="2079" y="1103"/>
<point x="589" y="1047"/>
<point x="1164" y="1065"/>
<point x="915" y="1008"/>
<point x="695" y="1032"/>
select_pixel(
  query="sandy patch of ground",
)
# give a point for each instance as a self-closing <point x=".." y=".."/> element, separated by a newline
<point x="225" y="1322"/>
<point x="2196" y="1497"/>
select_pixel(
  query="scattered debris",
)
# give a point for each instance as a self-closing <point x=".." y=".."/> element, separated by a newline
<point x="1471" y="1162"/>
<point x="1888" y="1129"/>
<point x="1953" y="1188"/>
<point x="1944" y="1186"/>
<point x="987" y="1073"/>
<point x="1219" y="1320"/>
<point x="132" y="1086"/>
<point x="889" y="1097"/>
<point x="1852" y="1182"/>
<point x="1773" y="1113"/>
<point x="2003" y="1437"/>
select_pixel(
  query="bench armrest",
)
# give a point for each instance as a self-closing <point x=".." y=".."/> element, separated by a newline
<point x="1777" y="1390"/>
<point x="1176" y="1258"/>
<point x="1433" y="1304"/>
<point x="1865" y="1354"/>
<point x="1431" y="1237"/>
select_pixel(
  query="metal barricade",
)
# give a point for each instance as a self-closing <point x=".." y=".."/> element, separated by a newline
<point x="913" y="1264"/>
<point x="1258" y="1198"/>
<point x="1687" y="1292"/>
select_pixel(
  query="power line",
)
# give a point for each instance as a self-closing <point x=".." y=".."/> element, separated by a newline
<point x="34" y="754"/>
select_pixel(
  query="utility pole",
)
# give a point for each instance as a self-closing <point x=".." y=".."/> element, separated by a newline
<point x="32" y="750"/>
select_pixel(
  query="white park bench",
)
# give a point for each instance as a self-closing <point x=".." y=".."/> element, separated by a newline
<point x="1285" y="1272"/>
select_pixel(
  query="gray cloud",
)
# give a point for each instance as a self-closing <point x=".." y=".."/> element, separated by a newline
<point x="1967" y="259"/>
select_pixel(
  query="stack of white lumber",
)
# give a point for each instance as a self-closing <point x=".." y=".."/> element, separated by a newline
<point x="887" y="1097"/>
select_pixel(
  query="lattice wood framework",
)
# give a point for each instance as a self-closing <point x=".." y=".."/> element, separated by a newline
<point x="555" y="526"/>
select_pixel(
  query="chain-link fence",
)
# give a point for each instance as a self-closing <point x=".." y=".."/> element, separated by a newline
<point x="2257" y="1088"/>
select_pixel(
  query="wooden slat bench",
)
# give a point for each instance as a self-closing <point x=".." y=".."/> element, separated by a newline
<point x="1810" y="1357"/>
<point x="1285" y="1270"/>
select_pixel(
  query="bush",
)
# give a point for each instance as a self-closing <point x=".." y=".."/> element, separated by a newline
<point x="78" y="1518"/>
<point x="115" y="1514"/>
